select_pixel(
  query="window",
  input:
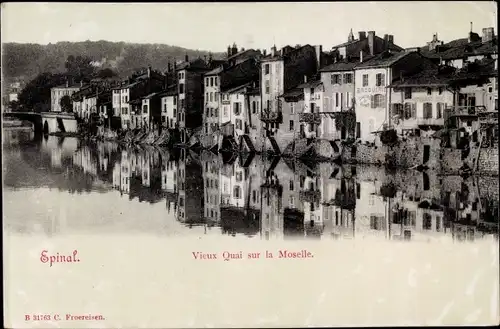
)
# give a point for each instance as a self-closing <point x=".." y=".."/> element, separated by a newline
<point x="239" y="124"/>
<point x="165" y="108"/>
<point x="236" y="108"/>
<point x="407" y="93"/>
<point x="216" y="112"/>
<point x="291" y="125"/>
<point x="397" y="110"/>
<point x="429" y="91"/>
<point x="348" y="78"/>
<point x="237" y="192"/>
<point x="312" y="92"/>
<point x="427" y="221"/>
<point x="211" y="97"/>
<point x="211" y="81"/>
<point x="365" y="80"/>
<point x="378" y="101"/>
<point x="145" y="109"/>
<point x="380" y="80"/>
<point x="291" y="185"/>
<point x="266" y="69"/>
<point x="291" y="202"/>
<point x="292" y="108"/>
<point x="207" y="81"/>
<point x="427" y="110"/>
<point x="182" y="103"/>
<point x="336" y="79"/>
<point x="175" y="100"/>
<point x="336" y="99"/>
<point x="267" y="87"/>
<point x="181" y="88"/>
<point x="410" y="111"/>
<point x="175" y="112"/>
<point x="215" y="81"/>
<point x="439" y="109"/>
<point x="358" y="130"/>
<point x="239" y="176"/>
<point x="268" y="103"/>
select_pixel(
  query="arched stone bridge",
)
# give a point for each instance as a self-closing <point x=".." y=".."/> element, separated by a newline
<point x="47" y="122"/>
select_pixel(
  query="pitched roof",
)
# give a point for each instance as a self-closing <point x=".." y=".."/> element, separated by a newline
<point x="462" y="48"/>
<point x="278" y="55"/>
<point x="310" y="84"/>
<point x="340" y="66"/>
<point x="150" y="95"/>
<point x="295" y="93"/>
<point x="215" y="71"/>
<point x="425" y="78"/>
<point x="238" y="88"/>
<point x="385" y="59"/>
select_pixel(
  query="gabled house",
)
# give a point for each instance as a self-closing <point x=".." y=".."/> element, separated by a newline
<point x="281" y="72"/>
<point x="458" y="52"/>
<point x="372" y="97"/>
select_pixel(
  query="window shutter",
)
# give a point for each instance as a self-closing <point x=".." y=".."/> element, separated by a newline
<point x="382" y="79"/>
<point x="372" y="101"/>
<point x="413" y="110"/>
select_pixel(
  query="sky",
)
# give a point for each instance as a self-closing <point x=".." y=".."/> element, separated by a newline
<point x="213" y="26"/>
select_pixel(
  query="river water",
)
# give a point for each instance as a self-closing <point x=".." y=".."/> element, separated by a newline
<point x="100" y="196"/>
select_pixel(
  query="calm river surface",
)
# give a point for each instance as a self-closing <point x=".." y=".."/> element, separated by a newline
<point x="388" y="248"/>
<point x="60" y="185"/>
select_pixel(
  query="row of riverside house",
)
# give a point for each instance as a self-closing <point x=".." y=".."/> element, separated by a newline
<point x="298" y="98"/>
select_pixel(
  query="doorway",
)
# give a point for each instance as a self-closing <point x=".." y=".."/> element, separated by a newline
<point x="46" y="128"/>
<point x="427" y="153"/>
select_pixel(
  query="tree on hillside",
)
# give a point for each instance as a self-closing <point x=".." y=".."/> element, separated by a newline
<point x="66" y="104"/>
<point x="36" y="94"/>
<point x="79" y="67"/>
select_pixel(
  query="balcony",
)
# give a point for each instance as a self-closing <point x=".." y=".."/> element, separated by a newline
<point x="310" y="118"/>
<point x="430" y="122"/>
<point x="271" y="116"/>
<point x="312" y="196"/>
<point x="467" y="110"/>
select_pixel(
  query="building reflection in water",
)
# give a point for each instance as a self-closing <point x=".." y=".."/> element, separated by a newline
<point x="274" y="198"/>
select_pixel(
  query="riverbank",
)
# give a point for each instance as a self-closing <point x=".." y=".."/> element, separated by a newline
<point x="420" y="154"/>
<point x="6" y="123"/>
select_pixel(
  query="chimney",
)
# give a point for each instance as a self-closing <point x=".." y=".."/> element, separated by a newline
<point x="234" y="50"/>
<point x="391" y="39"/>
<point x="273" y="51"/>
<point x="205" y="57"/>
<point x="319" y="51"/>
<point x="228" y="51"/>
<point x="186" y="58"/>
<point x="371" y="42"/>
<point x="361" y="56"/>
<point x="169" y="67"/>
<point x="386" y="41"/>
<point x="305" y="78"/>
<point x="488" y="34"/>
<point x="149" y="71"/>
<point x="264" y="52"/>
<point x="362" y="35"/>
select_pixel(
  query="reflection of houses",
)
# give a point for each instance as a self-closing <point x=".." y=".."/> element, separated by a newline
<point x="271" y="191"/>
<point x="211" y="178"/>
<point x="339" y="193"/>
<point x="190" y="192"/>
